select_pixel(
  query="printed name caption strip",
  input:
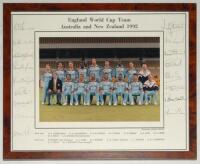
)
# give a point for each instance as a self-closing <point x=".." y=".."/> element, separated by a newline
<point x="23" y="99"/>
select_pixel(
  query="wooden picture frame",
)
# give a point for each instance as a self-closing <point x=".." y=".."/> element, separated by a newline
<point x="83" y="155"/>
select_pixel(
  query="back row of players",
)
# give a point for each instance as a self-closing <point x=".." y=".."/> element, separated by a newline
<point x="71" y="84"/>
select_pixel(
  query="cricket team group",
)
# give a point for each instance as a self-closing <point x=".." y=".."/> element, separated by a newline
<point x="79" y="86"/>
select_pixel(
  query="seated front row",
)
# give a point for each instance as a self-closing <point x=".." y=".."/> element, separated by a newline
<point x="83" y="92"/>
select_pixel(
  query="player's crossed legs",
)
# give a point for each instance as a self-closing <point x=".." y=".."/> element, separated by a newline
<point x="124" y="96"/>
<point x="104" y="95"/>
<point x="151" y="96"/>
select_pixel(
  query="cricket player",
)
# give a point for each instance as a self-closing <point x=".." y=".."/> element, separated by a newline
<point x="106" y="88"/>
<point x="150" y="90"/>
<point x="144" y="73"/>
<point x="55" y="88"/>
<point x="130" y="72"/>
<point x="120" y="89"/>
<point x="60" y="72"/>
<point x="83" y="70"/>
<point x="136" y="90"/>
<point x="92" y="90"/>
<point x="68" y="90"/>
<point x="71" y="71"/>
<point x="108" y="70"/>
<point x="47" y="76"/>
<point x="94" y="69"/>
<point x="120" y="70"/>
<point x="80" y="90"/>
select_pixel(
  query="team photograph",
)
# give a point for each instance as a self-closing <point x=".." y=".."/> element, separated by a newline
<point x="99" y="79"/>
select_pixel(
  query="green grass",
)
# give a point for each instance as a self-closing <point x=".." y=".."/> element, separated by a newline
<point x="93" y="113"/>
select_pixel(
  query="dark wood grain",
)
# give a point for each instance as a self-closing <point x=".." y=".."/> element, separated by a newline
<point x="8" y="154"/>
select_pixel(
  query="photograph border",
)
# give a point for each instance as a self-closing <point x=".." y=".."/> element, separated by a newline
<point x="161" y="115"/>
<point x="153" y="7"/>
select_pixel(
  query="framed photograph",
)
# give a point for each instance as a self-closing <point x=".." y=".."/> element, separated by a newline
<point x="99" y="81"/>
